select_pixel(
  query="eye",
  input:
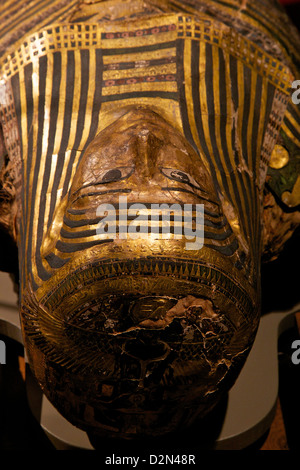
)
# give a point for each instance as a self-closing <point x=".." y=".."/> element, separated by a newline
<point x="112" y="175"/>
<point x="116" y="174"/>
<point x="180" y="176"/>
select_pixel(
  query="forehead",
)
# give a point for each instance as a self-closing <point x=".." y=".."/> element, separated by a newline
<point x="138" y="137"/>
<point x="148" y="128"/>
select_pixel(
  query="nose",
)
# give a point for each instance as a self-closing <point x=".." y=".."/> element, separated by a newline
<point x="147" y="146"/>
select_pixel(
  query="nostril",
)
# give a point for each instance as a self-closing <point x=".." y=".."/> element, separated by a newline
<point x="146" y="351"/>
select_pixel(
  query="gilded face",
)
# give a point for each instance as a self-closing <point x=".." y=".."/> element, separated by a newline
<point x="138" y="334"/>
<point x="142" y="156"/>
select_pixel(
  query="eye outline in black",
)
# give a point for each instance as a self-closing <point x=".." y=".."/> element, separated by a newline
<point x="196" y="185"/>
<point x="104" y="172"/>
<point x="127" y="175"/>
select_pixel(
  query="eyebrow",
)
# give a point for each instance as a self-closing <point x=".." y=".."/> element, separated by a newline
<point x="95" y="193"/>
<point x="183" y="190"/>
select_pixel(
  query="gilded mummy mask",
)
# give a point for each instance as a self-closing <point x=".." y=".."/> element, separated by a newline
<point x="138" y="336"/>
